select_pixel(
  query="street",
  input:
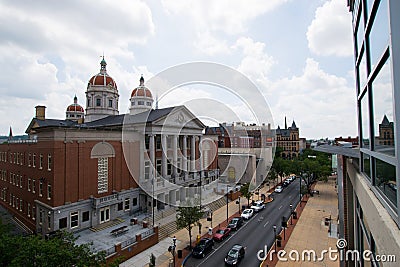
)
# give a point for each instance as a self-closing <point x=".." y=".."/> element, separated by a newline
<point x="256" y="232"/>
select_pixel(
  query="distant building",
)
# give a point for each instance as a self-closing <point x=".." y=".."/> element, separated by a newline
<point x="288" y="140"/>
<point x="386" y="132"/>
<point x="352" y="140"/>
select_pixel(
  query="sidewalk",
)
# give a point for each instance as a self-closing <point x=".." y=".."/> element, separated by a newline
<point x="310" y="231"/>
<point x="160" y="250"/>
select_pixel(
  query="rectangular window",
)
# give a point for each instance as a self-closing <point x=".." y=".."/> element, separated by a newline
<point x="29" y="159"/>
<point x="158" y="166"/>
<point x="40" y="216"/>
<point x="146" y="170"/>
<point x="126" y="204"/>
<point x="385" y="180"/>
<point x="17" y="157"/>
<point x="49" y="162"/>
<point x="74" y="219"/>
<point x="40" y="161"/>
<point x="110" y="103"/>
<point x="34" y="186"/>
<point x="98" y="102"/>
<point x="134" y="201"/>
<point x="40" y="188"/>
<point x="34" y="212"/>
<point x="120" y="206"/>
<point x="20" y="181"/>
<point x="29" y="210"/>
<point x="49" y="193"/>
<point x="17" y="180"/>
<point x="158" y="142"/>
<point x="20" y="204"/>
<point x="85" y="216"/>
<point x="29" y="184"/>
<point x="365" y="129"/>
<point x="62" y="223"/>
<point x="34" y="160"/>
<point x="102" y="175"/>
<point x="49" y="221"/>
<point x="21" y="160"/>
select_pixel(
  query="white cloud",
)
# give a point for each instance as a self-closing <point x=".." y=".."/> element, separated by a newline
<point x="256" y="63"/>
<point x="330" y="32"/>
<point x="322" y="104"/>
<point x="210" y="45"/>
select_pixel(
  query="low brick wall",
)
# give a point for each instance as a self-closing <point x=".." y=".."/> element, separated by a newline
<point x="140" y="245"/>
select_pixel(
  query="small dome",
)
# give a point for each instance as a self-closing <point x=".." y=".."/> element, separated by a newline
<point x="102" y="78"/>
<point x="141" y="90"/>
<point x="75" y="108"/>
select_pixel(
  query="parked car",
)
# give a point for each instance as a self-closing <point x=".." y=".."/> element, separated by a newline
<point x="204" y="246"/>
<point x="247" y="214"/>
<point x="279" y="189"/>
<point x="235" y="223"/>
<point x="235" y="255"/>
<point x="257" y="206"/>
<point x="285" y="183"/>
<point x="221" y="234"/>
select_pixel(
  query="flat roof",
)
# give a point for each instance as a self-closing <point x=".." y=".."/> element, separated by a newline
<point x="345" y="151"/>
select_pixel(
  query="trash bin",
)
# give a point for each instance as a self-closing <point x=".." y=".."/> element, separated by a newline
<point x="179" y="253"/>
<point x="294" y="215"/>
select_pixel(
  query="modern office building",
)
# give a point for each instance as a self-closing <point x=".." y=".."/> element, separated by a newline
<point x="368" y="177"/>
<point x="91" y="168"/>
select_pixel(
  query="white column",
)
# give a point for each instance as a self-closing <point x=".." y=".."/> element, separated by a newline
<point x="193" y="154"/>
<point x="164" y="150"/>
<point x="175" y="154"/>
<point x="201" y="157"/>
<point x="185" y="161"/>
<point x="152" y="157"/>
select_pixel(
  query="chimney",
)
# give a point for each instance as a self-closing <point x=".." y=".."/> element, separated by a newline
<point x="40" y="112"/>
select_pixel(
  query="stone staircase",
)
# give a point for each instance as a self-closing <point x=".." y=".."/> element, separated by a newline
<point x="167" y="229"/>
<point x="217" y="204"/>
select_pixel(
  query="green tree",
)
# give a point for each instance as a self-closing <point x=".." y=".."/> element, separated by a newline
<point x="187" y="217"/>
<point x="246" y="192"/>
<point x="34" y="250"/>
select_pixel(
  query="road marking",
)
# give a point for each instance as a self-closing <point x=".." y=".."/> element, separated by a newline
<point x="290" y="197"/>
<point x="266" y="223"/>
<point x="280" y="207"/>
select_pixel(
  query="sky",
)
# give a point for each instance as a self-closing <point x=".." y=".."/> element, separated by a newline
<point x="297" y="53"/>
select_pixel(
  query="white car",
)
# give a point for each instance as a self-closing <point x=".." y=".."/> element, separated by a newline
<point x="258" y="205"/>
<point x="278" y="189"/>
<point x="247" y="214"/>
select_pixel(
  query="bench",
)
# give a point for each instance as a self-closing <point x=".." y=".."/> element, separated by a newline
<point x="119" y="231"/>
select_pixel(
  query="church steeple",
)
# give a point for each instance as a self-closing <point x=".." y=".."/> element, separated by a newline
<point x="285" y="123"/>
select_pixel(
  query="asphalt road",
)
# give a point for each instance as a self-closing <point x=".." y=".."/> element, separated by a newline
<point x="256" y="232"/>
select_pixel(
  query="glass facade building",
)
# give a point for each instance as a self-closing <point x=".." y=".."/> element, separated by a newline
<point x="368" y="185"/>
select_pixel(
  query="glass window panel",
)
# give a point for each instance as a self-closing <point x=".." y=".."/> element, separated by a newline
<point x="367" y="165"/>
<point x="362" y="72"/>
<point x="369" y="6"/>
<point x="383" y="110"/>
<point x="379" y="35"/>
<point x="385" y="180"/>
<point x="360" y="33"/>
<point x="365" y="122"/>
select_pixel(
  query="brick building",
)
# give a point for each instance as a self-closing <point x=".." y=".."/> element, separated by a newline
<point x="90" y="168"/>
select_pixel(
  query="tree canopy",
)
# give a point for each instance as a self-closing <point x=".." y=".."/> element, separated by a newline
<point x="187" y="217"/>
<point x="33" y="250"/>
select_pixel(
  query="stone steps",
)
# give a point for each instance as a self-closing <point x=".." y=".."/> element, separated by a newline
<point x="167" y="230"/>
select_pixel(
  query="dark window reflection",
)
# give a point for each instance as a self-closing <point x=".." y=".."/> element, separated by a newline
<point x="385" y="180"/>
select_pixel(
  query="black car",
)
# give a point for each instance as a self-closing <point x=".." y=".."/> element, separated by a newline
<point x="235" y="255"/>
<point x="235" y="223"/>
<point x="204" y="246"/>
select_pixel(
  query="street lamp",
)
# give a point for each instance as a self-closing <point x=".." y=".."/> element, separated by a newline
<point x="274" y="236"/>
<point x="284" y="227"/>
<point x="238" y="202"/>
<point x="172" y="248"/>
<point x="291" y="214"/>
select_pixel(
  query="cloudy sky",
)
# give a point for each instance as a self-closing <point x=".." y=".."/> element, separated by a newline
<point x="298" y="53"/>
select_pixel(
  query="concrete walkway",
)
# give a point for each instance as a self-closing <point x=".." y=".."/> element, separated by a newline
<point x="310" y="232"/>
